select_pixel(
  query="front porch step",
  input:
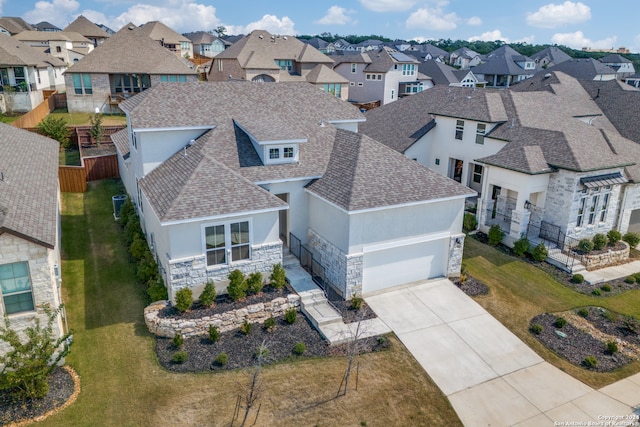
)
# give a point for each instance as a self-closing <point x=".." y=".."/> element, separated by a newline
<point x="321" y="314"/>
<point x="289" y="259"/>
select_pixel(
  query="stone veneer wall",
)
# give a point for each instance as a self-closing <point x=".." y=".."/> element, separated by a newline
<point x="607" y="258"/>
<point x="344" y="271"/>
<point x="456" y="248"/>
<point x="43" y="283"/>
<point x="631" y="202"/>
<point x="255" y="313"/>
<point x="193" y="272"/>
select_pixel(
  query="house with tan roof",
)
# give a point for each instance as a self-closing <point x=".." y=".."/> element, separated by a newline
<point x="88" y="29"/>
<point x="25" y="72"/>
<point x="264" y="57"/>
<point x="126" y="64"/>
<point x="68" y="46"/>
<point x="10" y="25"/>
<point x="169" y="39"/>
<point x="29" y="229"/>
<point x="232" y="184"/>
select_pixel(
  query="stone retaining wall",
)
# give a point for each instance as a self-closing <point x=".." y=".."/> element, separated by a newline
<point x="607" y="258"/>
<point x="255" y="313"/>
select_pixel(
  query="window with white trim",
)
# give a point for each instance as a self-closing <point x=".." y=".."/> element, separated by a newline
<point x="354" y="68"/>
<point x="287" y="152"/>
<point x="481" y="129"/>
<point x="581" y="207"/>
<point x="477" y="173"/>
<point x="82" y="84"/>
<point x="284" y="64"/>
<point x="15" y="287"/>
<point x="592" y="209"/>
<point x="333" y="88"/>
<point x="408" y="69"/>
<point x="604" y="207"/>
<point x="274" y="153"/>
<point x="227" y="240"/>
<point x="459" y="129"/>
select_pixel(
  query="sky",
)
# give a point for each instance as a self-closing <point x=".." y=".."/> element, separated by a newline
<point x="577" y="24"/>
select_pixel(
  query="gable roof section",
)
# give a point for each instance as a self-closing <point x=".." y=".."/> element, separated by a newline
<point x="29" y="185"/>
<point x="583" y="68"/>
<point x="440" y="73"/>
<point x="502" y="61"/>
<point x="14" y="25"/>
<point x="529" y="159"/>
<point x="323" y="74"/>
<point x="614" y="58"/>
<point x="45" y="26"/>
<point x="51" y="35"/>
<point x="16" y="53"/>
<point x="87" y="28"/>
<point x="159" y="31"/>
<point x="129" y="51"/>
<point x="364" y="174"/>
<point x="384" y="58"/>
<point x="553" y="54"/>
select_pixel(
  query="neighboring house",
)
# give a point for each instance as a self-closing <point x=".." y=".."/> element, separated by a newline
<point x="45" y="26"/>
<point x="126" y="64"/>
<point x="320" y="44"/>
<point x="169" y="39"/>
<point x="368" y="45"/>
<point x="227" y="184"/>
<point x="548" y="161"/>
<point x="622" y="65"/>
<point x="25" y="72"/>
<point x="585" y="69"/>
<point x="68" y="46"/>
<point x="446" y="75"/>
<point x="206" y="44"/>
<point x="342" y="44"/>
<point x="425" y="52"/>
<point x="263" y="57"/>
<point x="550" y="56"/>
<point x="29" y="229"/>
<point x="88" y="29"/>
<point x="633" y="80"/>
<point x="106" y="29"/>
<point x="464" y="58"/>
<point x="383" y="75"/>
<point x="504" y="66"/>
<point x="13" y="25"/>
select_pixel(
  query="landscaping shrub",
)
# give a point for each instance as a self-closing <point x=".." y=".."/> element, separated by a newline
<point x="208" y="295"/>
<point x="614" y="236"/>
<point x="596" y="292"/>
<point x="560" y="322"/>
<point x="356" y="302"/>
<point x="179" y="357"/>
<point x="632" y="239"/>
<point x="536" y="328"/>
<point x="606" y="288"/>
<point x="290" y="315"/>
<point x="590" y="362"/>
<point x="585" y="246"/>
<point x="214" y="333"/>
<point x="521" y="246"/>
<point x="495" y="235"/>
<point x="610" y="316"/>
<point x="222" y="359"/>
<point x="599" y="241"/>
<point x="237" y="288"/>
<point x="254" y="283"/>
<point x="126" y="212"/>
<point x="270" y="324"/>
<point x="630" y="279"/>
<point x="96" y="129"/>
<point x="157" y="291"/>
<point x="184" y="299"/>
<point x="637" y="277"/>
<point x="262" y="351"/>
<point x="577" y="278"/>
<point x="138" y="247"/>
<point x="583" y="312"/>
<point x="278" y="277"/>
<point x="469" y="222"/>
<point x="178" y="341"/>
<point x="55" y="128"/>
<point x="539" y="253"/>
<point x="246" y="327"/>
<point x="147" y="269"/>
<point x="611" y="347"/>
<point x="299" y="348"/>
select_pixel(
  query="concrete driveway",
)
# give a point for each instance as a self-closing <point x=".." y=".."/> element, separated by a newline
<point x="491" y="377"/>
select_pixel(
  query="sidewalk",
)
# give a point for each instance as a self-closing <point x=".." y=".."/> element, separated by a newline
<point x="611" y="273"/>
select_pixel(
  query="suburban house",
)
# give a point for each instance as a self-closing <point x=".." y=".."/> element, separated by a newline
<point x="544" y="157"/>
<point x="622" y="65"/>
<point x="633" y="80"/>
<point x="206" y="44"/>
<point x="380" y="76"/>
<point x="25" y="72"/>
<point x="446" y="75"/>
<point x="425" y="52"/>
<point x="29" y="229"/>
<point x="13" y="25"/>
<point x="320" y="44"/>
<point x="504" y="66"/>
<point x="342" y="44"/>
<point x="88" y="29"/>
<point x="169" y="39"/>
<point x="464" y="58"/>
<point x="550" y="56"/>
<point x="368" y="45"/>
<point x="124" y="65"/>
<point x="70" y="47"/>
<point x="585" y="69"/>
<point x="45" y="26"/>
<point x="230" y="184"/>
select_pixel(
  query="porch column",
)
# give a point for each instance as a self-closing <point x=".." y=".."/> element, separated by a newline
<point x="519" y="223"/>
<point x="482" y="210"/>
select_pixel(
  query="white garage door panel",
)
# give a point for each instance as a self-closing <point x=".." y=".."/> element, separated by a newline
<point x="396" y="266"/>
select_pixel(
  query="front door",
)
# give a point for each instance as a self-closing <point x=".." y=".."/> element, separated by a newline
<point x="455" y="169"/>
<point x="284" y="220"/>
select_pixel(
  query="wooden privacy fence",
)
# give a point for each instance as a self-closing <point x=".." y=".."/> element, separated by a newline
<point x="35" y="116"/>
<point x="73" y="179"/>
<point x="101" y="167"/>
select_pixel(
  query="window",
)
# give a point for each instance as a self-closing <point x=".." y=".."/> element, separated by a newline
<point x="580" y="219"/>
<point x="437" y="162"/>
<point x="352" y="83"/>
<point x="130" y="83"/>
<point x="393" y="94"/>
<point x="480" y="131"/>
<point x="360" y="84"/>
<point x="38" y="75"/>
<point x="139" y="191"/>
<point x="185" y="45"/>
<point x="408" y="69"/>
<point x="219" y="65"/>
<point x="288" y="152"/>
<point x="374" y="76"/>
<point x="15" y="286"/>
<point x="604" y="207"/>
<point x="413" y="87"/>
<point x="18" y="72"/>
<point x="459" y="129"/>
<point x="477" y="174"/>
<point x="592" y="209"/>
<point x="284" y="64"/>
<point x="58" y="49"/>
<point x="333" y="88"/>
<point x="274" y="153"/>
<point x="222" y="239"/>
<point x="173" y="78"/>
<point x="354" y="68"/>
<point x="82" y="84"/>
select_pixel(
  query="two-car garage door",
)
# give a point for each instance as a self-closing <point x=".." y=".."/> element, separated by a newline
<point x="387" y="267"/>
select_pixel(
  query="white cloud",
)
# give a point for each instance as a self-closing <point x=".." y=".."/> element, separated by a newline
<point x="181" y="15"/>
<point x="434" y="19"/>
<point x="577" y="40"/>
<point x="336" y="15"/>
<point x="421" y="39"/>
<point x="555" y="15"/>
<point x="489" y="36"/>
<point x="474" y="20"/>
<point x="57" y="12"/>
<point x="387" y="5"/>
<point x="270" y="23"/>
<point x="1" y="2"/>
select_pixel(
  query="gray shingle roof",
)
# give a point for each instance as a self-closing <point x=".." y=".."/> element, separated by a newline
<point x="121" y="141"/>
<point x="552" y="53"/>
<point x="45" y="26"/>
<point x="14" y="25"/>
<point x="129" y="51"/>
<point x="441" y="74"/>
<point x="614" y="58"/>
<point x="582" y="68"/>
<point x="16" y="53"/>
<point x="159" y="31"/>
<point x="28" y="185"/>
<point x="87" y="28"/>
<point x="503" y="61"/>
<point x="364" y="174"/>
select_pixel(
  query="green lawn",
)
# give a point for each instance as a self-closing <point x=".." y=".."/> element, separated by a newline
<point x="9" y="118"/>
<point x="520" y="291"/>
<point x="69" y="157"/>
<point x="123" y="385"/>
<point x="82" y="119"/>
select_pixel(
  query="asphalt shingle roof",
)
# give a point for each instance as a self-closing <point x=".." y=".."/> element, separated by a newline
<point x="159" y="31"/>
<point x="323" y="74"/>
<point x="14" y="25"/>
<point x="51" y="35"/>
<point x="503" y="61"/>
<point x="582" y="68"/>
<point x="87" y="28"/>
<point x="15" y="53"/>
<point x="28" y="185"/>
<point x="553" y="54"/>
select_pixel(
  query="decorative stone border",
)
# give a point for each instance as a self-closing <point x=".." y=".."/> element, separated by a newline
<point x="255" y="313"/>
<point x="594" y="261"/>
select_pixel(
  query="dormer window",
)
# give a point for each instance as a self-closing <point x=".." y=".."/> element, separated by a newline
<point x="287" y="152"/>
<point x="274" y="153"/>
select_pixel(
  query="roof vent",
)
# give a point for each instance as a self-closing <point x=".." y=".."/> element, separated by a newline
<point x="546" y="76"/>
<point x="131" y="27"/>
<point x="284" y="37"/>
<point x="260" y="36"/>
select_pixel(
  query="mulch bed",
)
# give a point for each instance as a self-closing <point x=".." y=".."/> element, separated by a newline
<point x="98" y="150"/>
<point x="618" y="286"/>
<point x="577" y="345"/>
<point x="624" y="327"/>
<point x="61" y="388"/>
<point x="472" y="286"/>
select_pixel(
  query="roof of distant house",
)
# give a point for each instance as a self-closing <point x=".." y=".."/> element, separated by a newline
<point x="203" y="37"/>
<point x="87" y="28"/>
<point x="614" y="58"/>
<point x="14" y="25"/>
<point x="440" y="73"/>
<point x="28" y="185"/>
<point x="162" y="33"/>
<point x="45" y="26"/>
<point x="15" y="53"/>
<point x="582" y="68"/>
<point x="323" y="74"/>
<point x="51" y="36"/>
<point x="552" y="53"/>
<point x="504" y="61"/>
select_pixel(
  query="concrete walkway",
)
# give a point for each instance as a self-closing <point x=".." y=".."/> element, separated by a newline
<point x="489" y="375"/>
<point x="611" y="273"/>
